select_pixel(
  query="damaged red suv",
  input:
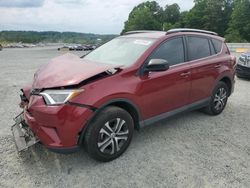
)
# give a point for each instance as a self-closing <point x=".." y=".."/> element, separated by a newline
<point x="130" y="82"/>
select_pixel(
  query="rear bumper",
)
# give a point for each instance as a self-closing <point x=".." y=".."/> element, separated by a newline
<point x="57" y="127"/>
<point x="242" y="71"/>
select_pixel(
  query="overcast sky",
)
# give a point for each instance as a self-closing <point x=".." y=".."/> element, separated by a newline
<point x="88" y="16"/>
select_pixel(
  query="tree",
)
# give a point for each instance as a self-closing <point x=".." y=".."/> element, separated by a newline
<point x="171" y="13"/>
<point x="171" y="16"/>
<point x="211" y="15"/>
<point x="217" y="15"/>
<point x="230" y="18"/>
<point x="183" y="20"/>
<point x="239" y="27"/>
<point x="145" y="16"/>
<point x="194" y="18"/>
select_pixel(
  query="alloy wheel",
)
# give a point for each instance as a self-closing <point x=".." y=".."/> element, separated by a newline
<point x="112" y="136"/>
<point x="220" y="99"/>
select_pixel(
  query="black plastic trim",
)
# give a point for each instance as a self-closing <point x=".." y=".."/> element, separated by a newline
<point x="190" y="107"/>
<point x="65" y="150"/>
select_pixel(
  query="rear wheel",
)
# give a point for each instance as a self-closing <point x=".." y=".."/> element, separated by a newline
<point x="218" y="99"/>
<point x="109" y="134"/>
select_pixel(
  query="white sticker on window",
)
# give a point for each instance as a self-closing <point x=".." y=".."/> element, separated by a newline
<point x="143" y="42"/>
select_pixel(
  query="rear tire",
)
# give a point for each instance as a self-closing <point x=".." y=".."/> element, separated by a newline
<point x="218" y="99"/>
<point x="109" y="134"/>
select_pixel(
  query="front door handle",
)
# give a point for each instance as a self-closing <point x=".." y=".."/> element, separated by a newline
<point x="185" y="74"/>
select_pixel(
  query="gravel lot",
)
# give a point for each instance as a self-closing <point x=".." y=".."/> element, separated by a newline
<point x="190" y="150"/>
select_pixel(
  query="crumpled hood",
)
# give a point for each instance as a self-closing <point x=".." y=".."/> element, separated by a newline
<point x="67" y="70"/>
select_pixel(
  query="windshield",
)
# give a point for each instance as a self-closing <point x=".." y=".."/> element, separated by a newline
<point x="120" y="51"/>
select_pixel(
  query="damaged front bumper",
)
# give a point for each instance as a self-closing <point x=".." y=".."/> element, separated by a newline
<point x="23" y="135"/>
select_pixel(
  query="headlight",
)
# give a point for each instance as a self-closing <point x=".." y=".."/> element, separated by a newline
<point x="54" y="97"/>
<point x="244" y="61"/>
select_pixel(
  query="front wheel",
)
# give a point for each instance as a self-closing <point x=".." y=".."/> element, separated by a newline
<point x="109" y="134"/>
<point x="218" y="99"/>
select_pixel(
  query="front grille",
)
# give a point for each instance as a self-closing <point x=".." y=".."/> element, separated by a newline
<point x="35" y="92"/>
<point x="245" y="58"/>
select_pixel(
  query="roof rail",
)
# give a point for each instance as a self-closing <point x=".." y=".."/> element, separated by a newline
<point x="190" y="30"/>
<point x="142" y="31"/>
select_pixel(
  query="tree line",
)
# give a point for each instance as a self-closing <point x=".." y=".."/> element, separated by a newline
<point x="51" y="37"/>
<point x="229" y="18"/>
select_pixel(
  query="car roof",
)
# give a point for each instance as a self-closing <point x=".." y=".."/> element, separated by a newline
<point x="173" y="32"/>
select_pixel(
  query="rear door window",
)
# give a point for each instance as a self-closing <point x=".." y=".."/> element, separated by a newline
<point x="198" y="47"/>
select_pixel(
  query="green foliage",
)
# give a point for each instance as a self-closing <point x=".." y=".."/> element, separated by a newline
<point x="167" y="26"/>
<point x="211" y="15"/>
<point x="51" y="36"/>
<point x="171" y="17"/>
<point x="145" y="16"/>
<point x="171" y="13"/>
<point x="239" y="27"/>
<point x="229" y="18"/>
<point x="234" y="36"/>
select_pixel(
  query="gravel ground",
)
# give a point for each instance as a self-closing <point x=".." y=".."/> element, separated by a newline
<point x="189" y="150"/>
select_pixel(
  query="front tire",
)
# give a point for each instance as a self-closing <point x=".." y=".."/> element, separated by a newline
<point x="109" y="134"/>
<point x="218" y="99"/>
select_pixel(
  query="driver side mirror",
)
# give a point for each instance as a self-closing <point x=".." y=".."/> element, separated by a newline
<point x="157" y="65"/>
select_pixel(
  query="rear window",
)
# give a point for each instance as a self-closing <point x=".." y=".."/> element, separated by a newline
<point x="217" y="45"/>
<point x="198" y="48"/>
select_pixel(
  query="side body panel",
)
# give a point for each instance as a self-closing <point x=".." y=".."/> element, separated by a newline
<point x="165" y="91"/>
<point x="206" y="72"/>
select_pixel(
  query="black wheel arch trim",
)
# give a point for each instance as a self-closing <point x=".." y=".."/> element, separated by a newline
<point x="113" y="102"/>
<point x="190" y="107"/>
<point x="231" y="80"/>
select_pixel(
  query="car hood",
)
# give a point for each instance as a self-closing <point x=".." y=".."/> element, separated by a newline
<point x="67" y="70"/>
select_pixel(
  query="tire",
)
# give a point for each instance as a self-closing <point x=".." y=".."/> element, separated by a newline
<point x="109" y="134"/>
<point x="218" y="99"/>
<point x="238" y="76"/>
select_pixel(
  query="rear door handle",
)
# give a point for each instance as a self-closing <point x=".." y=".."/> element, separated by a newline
<point x="185" y="74"/>
<point x="217" y="66"/>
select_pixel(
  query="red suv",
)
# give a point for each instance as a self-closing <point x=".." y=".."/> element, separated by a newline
<point x="130" y="82"/>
